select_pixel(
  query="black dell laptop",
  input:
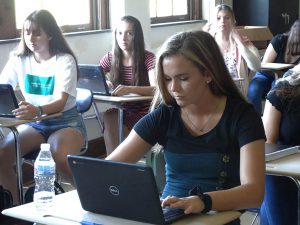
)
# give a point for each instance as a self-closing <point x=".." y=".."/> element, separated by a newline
<point x="8" y="100"/>
<point x="118" y="189"/>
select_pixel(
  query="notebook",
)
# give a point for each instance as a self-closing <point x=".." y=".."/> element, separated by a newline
<point x="92" y="77"/>
<point x="120" y="190"/>
<point x="276" y="151"/>
<point x="8" y="100"/>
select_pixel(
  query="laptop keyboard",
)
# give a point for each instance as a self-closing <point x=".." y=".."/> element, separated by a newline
<point x="172" y="214"/>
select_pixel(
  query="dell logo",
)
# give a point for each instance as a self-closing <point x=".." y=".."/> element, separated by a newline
<point x="114" y="190"/>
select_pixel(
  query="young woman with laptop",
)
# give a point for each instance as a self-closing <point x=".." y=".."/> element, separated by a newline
<point x="213" y="139"/>
<point x="45" y="69"/>
<point x="131" y="70"/>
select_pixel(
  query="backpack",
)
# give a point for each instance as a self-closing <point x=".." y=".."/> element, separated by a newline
<point x="6" y="199"/>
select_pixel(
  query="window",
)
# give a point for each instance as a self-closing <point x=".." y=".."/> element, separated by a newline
<point x="162" y="11"/>
<point x="81" y="15"/>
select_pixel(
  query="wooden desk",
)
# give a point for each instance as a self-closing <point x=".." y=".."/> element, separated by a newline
<point x="117" y="101"/>
<point x="276" y="67"/>
<point x="12" y="123"/>
<point x="68" y="211"/>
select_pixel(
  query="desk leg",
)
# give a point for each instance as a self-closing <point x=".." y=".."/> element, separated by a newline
<point x="18" y="164"/>
<point x="297" y="182"/>
<point x="98" y="116"/>
<point x="120" y="124"/>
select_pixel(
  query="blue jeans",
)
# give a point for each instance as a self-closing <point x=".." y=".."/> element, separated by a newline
<point x="69" y="118"/>
<point x="258" y="88"/>
<point x="280" y="205"/>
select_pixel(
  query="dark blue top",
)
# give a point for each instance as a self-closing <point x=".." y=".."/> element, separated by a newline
<point x="289" y="131"/>
<point x="279" y="43"/>
<point x="211" y="160"/>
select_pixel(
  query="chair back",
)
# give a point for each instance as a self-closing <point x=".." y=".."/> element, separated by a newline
<point x="92" y="77"/>
<point x="84" y="99"/>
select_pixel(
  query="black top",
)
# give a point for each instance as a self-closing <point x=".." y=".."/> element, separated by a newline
<point x="279" y="43"/>
<point x="289" y="131"/>
<point x="211" y="160"/>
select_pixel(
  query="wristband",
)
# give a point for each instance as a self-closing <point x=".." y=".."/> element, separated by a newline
<point x="205" y="198"/>
<point x="41" y="111"/>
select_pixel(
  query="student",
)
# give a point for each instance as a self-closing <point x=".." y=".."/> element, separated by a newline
<point x="281" y="120"/>
<point x="238" y="51"/>
<point x="131" y="69"/>
<point x="212" y="138"/>
<point x="45" y="69"/>
<point x="284" y="48"/>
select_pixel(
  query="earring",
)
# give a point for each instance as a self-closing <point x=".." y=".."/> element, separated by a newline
<point x="208" y="81"/>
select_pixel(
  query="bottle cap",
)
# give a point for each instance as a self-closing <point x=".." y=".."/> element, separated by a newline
<point x="45" y="146"/>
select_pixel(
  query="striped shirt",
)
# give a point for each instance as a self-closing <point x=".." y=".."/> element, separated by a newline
<point x="132" y="111"/>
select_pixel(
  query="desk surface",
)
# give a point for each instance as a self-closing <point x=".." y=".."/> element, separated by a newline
<point x="12" y="122"/>
<point x="121" y="99"/>
<point x="67" y="205"/>
<point x="276" y="66"/>
<point x="285" y="166"/>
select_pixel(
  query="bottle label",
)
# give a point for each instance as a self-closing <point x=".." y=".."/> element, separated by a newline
<point x="45" y="170"/>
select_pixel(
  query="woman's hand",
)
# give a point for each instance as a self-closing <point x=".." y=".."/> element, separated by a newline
<point x="191" y="204"/>
<point x="240" y="39"/>
<point x="210" y="28"/>
<point x="110" y="84"/>
<point x="121" y="90"/>
<point x="26" y="111"/>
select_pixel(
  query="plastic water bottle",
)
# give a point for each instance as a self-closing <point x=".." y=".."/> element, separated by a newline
<point x="44" y="176"/>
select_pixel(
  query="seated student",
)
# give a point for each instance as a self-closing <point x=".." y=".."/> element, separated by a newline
<point x="131" y="70"/>
<point x="281" y="120"/>
<point x="45" y="69"/>
<point x="284" y="48"/>
<point x="212" y="138"/>
<point x="238" y="51"/>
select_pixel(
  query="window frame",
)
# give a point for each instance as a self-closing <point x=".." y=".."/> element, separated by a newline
<point x="194" y="9"/>
<point x="99" y="17"/>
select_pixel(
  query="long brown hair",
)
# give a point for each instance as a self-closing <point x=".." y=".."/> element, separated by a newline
<point x="139" y="70"/>
<point x="293" y="43"/>
<point x="45" y="20"/>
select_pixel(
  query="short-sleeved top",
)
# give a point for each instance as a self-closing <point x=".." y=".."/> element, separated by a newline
<point x="211" y="160"/>
<point x="132" y="111"/>
<point x="41" y="83"/>
<point x="279" y="43"/>
<point x="289" y="130"/>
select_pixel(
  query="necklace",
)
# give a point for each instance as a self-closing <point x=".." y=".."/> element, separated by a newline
<point x="202" y="129"/>
<point x="226" y="47"/>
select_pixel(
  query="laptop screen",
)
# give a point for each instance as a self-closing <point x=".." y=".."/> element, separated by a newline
<point x="117" y="189"/>
<point x="8" y="101"/>
<point x="93" y="78"/>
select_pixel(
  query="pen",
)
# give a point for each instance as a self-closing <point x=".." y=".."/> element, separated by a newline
<point x="83" y="222"/>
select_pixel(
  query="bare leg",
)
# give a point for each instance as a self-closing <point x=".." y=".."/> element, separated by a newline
<point x="111" y="130"/>
<point x="67" y="141"/>
<point x="30" y="140"/>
